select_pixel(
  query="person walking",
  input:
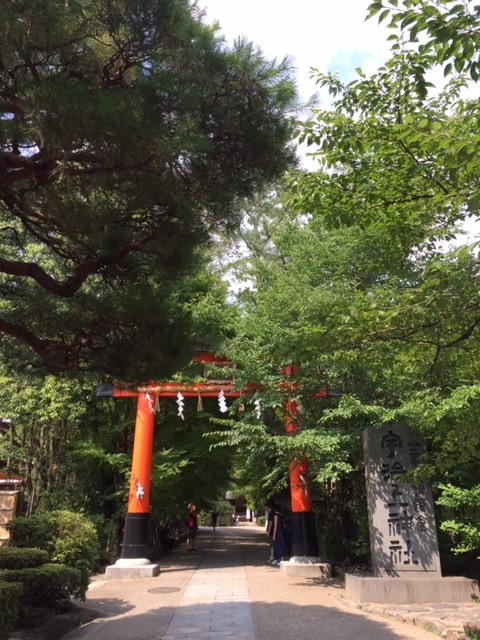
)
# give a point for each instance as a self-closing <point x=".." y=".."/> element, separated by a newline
<point x="278" y="537"/>
<point x="214" y="519"/>
<point x="192" y="527"/>
<point x="275" y="533"/>
<point x="269" y="529"/>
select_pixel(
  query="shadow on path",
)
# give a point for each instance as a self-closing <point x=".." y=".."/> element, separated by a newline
<point x="282" y="608"/>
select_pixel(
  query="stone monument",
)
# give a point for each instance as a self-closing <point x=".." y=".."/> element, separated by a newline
<point x="403" y="534"/>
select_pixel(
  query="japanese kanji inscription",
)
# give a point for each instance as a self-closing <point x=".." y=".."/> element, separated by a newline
<point x="403" y="535"/>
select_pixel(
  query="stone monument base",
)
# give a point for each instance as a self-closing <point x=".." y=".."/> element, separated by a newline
<point x="128" y="568"/>
<point x="307" y="567"/>
<point x="411" y="590"/>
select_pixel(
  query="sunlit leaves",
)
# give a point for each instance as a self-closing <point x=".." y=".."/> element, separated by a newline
<point x="465" y="534"/>
<point x="448" y="31"/>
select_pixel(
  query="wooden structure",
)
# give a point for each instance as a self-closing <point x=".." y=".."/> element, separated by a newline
<point x="10" y="491"/>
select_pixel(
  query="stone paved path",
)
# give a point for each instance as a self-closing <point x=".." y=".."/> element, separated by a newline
<point x="216" y="603"/>
<point x="226" y="590"/>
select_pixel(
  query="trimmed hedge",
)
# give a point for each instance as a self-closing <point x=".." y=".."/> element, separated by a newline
<point x="35" y="531"/>
<point x="20" y="558"/>
<point x="10" y="599"/>
<point x="68" y="537"/>
<point x="47" y="585"/>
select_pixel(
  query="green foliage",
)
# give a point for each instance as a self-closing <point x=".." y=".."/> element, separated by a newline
<point x="185" y="469"/>
<point x="46" y="586"/>
<point x="69" y="538"/>
<point x="128" y="132"/>
<point x="448" y="31"/>
<point x="357" y="282"/>
<point x="10" y="599"/>
<point x="75" y="544"/>
<point x="46" y="415"/>
<point x="72" y="449"/>
<point x="463" y="529"/>
<point x="224" y="510"/>
<point x="21" y="557"/>
<point x="107" y="531"/>
<point x="32" y="532"/>
<point x="472" y="630"/>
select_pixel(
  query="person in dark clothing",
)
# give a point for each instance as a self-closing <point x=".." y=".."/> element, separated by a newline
<point x="278" y="538"/>
<point x="269" y="530"/>
<point x="214" y="518"/>
<point x="167" y="542"/>
<point x="192" y="527"/>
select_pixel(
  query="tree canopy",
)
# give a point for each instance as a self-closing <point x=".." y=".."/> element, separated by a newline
<point x="127" y="130"/>
<point x="362" y="277"/>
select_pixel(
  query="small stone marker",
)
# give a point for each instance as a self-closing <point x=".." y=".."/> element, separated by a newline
<point x="403" y="534"/>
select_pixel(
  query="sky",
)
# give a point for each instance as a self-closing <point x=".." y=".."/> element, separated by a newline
<point x="329" y="35"/>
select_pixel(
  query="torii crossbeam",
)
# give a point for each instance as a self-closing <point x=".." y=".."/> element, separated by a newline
<point x="135" y="537"/>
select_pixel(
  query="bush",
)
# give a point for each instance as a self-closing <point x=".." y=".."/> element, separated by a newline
<point x="472" y="630"/>
<point x="75" y="544"/>
<point x="45" y="586"/>
<point x="107" y="535"/>
<point x="69" y="538"/>
<point x="10" y="598"/>
<point x="35" y="531"/>
<point x="21" y="557"/>
<point x="261" y="521"/>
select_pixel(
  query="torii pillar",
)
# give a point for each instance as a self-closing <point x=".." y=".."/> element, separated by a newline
<point x="304" y="561"/>
<point x="133" y="561"/>
<point x="303" y="521"/>
<point x="138" y="511"/>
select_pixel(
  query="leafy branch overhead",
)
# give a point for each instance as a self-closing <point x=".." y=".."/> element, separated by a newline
<point x="447" y="32"/>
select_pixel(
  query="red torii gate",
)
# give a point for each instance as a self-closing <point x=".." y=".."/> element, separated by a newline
<point x="135" y="535"/>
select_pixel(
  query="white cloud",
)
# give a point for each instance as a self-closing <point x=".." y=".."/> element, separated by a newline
<point x="330" y="35"/>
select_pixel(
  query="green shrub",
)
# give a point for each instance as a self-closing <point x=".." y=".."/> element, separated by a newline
<point x="21" y="557"/>
<point x="107" y="530"/>
<point x="261" y="521"/>
<point x="472" y="630"/>
<point x="69" y="538"/>
<point x="460" y="517"/>
<point x="35" y="531"/>
<point x="46" y="586"/>
<point x="10" y="598"/>
<point x="75" y="544"/>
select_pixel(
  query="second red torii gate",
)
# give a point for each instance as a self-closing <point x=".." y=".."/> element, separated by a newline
<point x="135" y="536"/>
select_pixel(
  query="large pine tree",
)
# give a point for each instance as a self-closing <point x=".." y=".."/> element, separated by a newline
<point x="127" y="131"/>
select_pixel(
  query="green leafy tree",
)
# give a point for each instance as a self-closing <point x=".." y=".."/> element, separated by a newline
<point x="128" y="128"/>
<point x="46" y="416"/>
<point x="186" y="468"/>
<point x="463" y="505"/>
<point x="367" y="295"/>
